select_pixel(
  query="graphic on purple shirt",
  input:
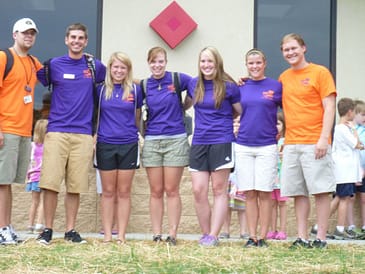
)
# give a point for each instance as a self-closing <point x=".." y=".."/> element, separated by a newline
<point x="117" y="123"/>
<point x="260" y="101"/>
<point x="165" y="115"/>
<point x="213" y="126"/>
<point x="34" y="170"/>
<point x="72" y="98"/>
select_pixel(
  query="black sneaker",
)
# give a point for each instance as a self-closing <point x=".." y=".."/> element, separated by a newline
<point x="251" y="243"/>
<point x="171" y="240"/>
<point x="317" y="243"/>
<point x="74" y="237"/>
<point x="262" y="243"/>
<point x="45" y="237"/>
<point x="300" y="243"/>
<point x="157" y="238"/>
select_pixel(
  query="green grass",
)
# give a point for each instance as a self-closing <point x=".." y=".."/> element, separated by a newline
<point x="186" y="257"/>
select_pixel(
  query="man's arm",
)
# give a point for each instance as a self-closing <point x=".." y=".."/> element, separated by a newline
<point x="329" y="106"/>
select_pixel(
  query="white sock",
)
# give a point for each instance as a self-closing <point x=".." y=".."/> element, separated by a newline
<point x="315" y="227"/>
<point x="363" y="227"/>
<point x="340" y="228"/>
<point x="351" y="227"/>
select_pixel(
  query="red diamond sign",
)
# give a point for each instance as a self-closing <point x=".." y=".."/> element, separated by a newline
<point x="173" y="24"/>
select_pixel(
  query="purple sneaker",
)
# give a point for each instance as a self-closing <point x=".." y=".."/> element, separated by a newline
<point x="202" y="238"/>
<point x="209" y="241"/>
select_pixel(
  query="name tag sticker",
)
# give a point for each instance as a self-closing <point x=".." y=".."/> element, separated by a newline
<point x="27" y="99"/>
<point x="68" y="76"/>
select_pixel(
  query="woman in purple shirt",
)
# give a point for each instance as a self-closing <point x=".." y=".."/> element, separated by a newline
<point x="256" y="149"/>
<point x="216" y="100"/>
<point x="165" y="151"/>
<point x="117" y="142"/>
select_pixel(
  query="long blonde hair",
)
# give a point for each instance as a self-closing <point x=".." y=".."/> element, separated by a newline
<point x="40" y="130"/>
<point x="219" y="80"/>
<point x="127" y="82"/>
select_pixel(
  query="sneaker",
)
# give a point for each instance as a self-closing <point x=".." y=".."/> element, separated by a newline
<point x="45" y="237"/>
<point x="224" y="235"/>
<point x="74" y="237"/>
<point x="271" y="235"/>
<point x="202" y="238"/>
<point x="341" y="235"/>
<point x="14" y="234"/>
<point x="244" y="236"/>
<point x="313" y="233"/>
<point x="209" y="241"/>
<point x="262" y="243"/>
<point x="171" y="240"/>
<point x="317" y="243"/>
<point x="354" y="234"/>
<point x="6" y="238"/>
<point x="300" y="243"/>
<point x="157" y="238"/>
<point x="281" y="235"/>
<point x="251" y="243"/>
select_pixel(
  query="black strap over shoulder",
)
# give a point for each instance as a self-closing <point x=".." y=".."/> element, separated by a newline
<point x="10" y="61"/>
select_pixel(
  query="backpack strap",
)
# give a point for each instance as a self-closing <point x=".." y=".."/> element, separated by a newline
<point x="47" y="71"/>
<point x="91" y="65"/>
<point x="10" y="61"/>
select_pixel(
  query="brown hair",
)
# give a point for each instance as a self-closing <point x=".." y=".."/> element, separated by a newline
<point x="40" y="130"/>
<point x="76" y="26"/>
<point x="359" y="106"/>
<point x="280" y="117"/>
<point x="344" y="105"/>
<point x="292" y="36"/>
<point x="152" y="53"/>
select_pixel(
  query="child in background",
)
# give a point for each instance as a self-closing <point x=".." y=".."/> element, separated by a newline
<point x="346" y="160"/>
<point x="359" y="122"/>
<point x="33" y="176"/>
<point x="236" y="202"/>
<point x="279" y="202"/>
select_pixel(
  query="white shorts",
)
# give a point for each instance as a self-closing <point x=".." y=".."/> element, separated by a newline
<point x="256" y="167"/>
<point x="302" y="174"/>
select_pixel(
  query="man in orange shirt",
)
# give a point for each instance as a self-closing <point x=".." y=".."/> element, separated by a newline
<point x="16" y="117"/>
<point x="309" y="104"/>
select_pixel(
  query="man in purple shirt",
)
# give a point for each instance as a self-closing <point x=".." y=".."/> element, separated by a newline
<point x="68" y="146"/>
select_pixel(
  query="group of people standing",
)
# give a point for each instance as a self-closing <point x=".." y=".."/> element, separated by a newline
<point x="306" y="92"/>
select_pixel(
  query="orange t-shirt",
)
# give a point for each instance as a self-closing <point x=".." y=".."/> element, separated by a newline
<point x="303" y="92"/>
<point x="16" y="117"/>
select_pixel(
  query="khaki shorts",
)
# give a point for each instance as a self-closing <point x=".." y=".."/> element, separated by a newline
<point x="14" y="159"/>
<point x="166" y="152"/>
<point x="302" y="174"/>
<point x="256" y="167"/>
<point x="66" y="156"/>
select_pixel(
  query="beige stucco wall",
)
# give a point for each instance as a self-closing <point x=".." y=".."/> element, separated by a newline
<point x="350" y="48"/>
<point x="229" y="27"/>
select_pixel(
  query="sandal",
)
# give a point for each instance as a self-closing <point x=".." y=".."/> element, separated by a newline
<point x="120" y="242"/>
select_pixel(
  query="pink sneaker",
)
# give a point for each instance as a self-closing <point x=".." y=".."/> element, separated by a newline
<point x="271" y="235"/>
<point x="281" y="235"/>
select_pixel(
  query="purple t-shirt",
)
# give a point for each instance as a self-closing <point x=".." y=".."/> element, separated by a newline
<point x="260" y="101"/>
<point x="165" y="116"/>
<point x="72" y="98"/>
<point x="213" y="126"/>
<point x="117" y="122"/>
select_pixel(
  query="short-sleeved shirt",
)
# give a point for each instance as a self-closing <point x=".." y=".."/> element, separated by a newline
<point x="16" y="117"/>
<point x="117" y="122"/>
<point x="165" y="114"/>
<point x="361" y="133"/>
<point x="35" y="165"/>
<point x="345" y="157"/>
<point x="212" y="125"/>
<point x="303" y="92"/>
<point x="72" y="100"/>
<point x="260" y="101"/>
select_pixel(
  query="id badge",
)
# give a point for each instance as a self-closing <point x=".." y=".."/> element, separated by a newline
<point x="27" y="99"/>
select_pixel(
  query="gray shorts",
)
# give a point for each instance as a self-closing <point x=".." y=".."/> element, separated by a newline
<point x="302" y="174"/>
<point x="14" y="159"/>
<point x="166" y="152"/>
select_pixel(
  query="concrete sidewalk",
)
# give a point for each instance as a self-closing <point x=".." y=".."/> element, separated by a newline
<point x="24" y="235"/>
